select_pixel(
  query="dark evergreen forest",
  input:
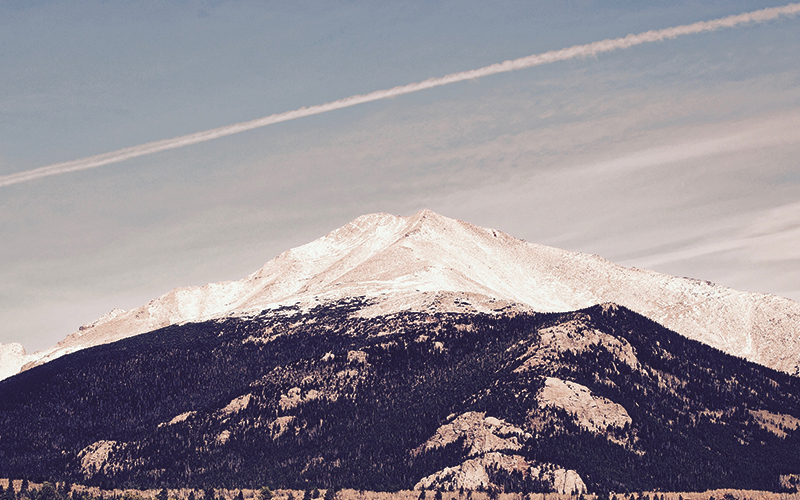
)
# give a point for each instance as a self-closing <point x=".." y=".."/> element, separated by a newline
<point x="334" y="400"/>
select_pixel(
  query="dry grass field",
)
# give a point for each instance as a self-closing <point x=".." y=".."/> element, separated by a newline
<point x="348" y="494"/>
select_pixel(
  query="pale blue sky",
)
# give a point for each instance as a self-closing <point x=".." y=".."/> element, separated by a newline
<point x="681" y="156"/>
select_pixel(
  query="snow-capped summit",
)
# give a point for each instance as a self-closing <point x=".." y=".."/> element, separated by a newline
<point x="401" y="262"/>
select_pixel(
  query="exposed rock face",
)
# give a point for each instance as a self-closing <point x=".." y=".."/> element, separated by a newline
<point x="481" y="434"/>
<point x="223" y="437"/>
<point x="777" y="424"/>
<point x="789" y="482"/>
<point x="94" y="458"/>
<point x="593" y="413"/>
<point x="295" y="397"/>
<point x="236" y="405"/>
<point x="565" y="481"/>
<point x="489" y="445"/>
<point x="178" y="418"/>
<point x="281" y="426"/>
<point x="476" y="473"/>
<point x="576" y="337"/>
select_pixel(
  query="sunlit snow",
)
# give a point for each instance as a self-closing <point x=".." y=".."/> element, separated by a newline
<point x="426" y="261"/>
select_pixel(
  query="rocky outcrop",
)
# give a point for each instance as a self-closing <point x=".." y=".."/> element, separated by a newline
<point x="486" y="471"/>
<point x="480" y="434"/>
<point x="95" y="457"/>
<point x="576" y="336"/>
<point x="178" y="418"/>
<point x="778" y="424"/>
<point x="235" y="406"/>
<point x="593" y="413"/>
<point x="489" y="444"/>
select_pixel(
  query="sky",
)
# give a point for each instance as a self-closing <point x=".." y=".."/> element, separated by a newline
<point x="681" y="155"/>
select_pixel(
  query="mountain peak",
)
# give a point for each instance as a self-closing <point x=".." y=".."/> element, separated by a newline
<point x="427" y="260"/>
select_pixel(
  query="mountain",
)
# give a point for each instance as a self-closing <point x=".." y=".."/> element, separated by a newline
<point x="404" y="263"/>
<point x="419" y="352"/>
<point x="601" y="399"/>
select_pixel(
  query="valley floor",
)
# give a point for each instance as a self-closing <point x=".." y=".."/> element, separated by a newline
<point x="349" y="494"/>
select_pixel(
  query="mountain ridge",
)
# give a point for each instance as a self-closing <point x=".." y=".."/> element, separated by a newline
<point x="405" y="262"/>
<point x="602" y="399"/>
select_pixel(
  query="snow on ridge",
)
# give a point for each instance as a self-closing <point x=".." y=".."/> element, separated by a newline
<point x="394" y="259"/>
<point x="12" y="358"/>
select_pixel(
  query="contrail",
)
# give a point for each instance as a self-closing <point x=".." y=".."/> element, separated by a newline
<point x="590" y="49"/>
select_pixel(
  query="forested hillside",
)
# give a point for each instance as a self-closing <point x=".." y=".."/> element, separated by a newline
<point x="324" y="398"/>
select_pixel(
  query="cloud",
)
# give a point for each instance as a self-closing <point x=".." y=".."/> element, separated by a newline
<point x="771" y="235"/>
<point x="576" y="51"/>
<point x="765" y="133"/>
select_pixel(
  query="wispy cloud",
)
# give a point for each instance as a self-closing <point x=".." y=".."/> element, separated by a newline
<point x="576" y="51"/>
<point x="771" y="235"/>
<point x="758" y="134"/>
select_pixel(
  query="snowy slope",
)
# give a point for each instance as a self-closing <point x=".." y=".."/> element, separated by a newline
<point x="12" y="358"/>
<point x="401" y="261"/>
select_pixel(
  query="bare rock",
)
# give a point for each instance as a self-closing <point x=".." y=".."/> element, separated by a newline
<point x="481" y="434"/>
<point x="593" y="413"/>
<point x="477" y="473"/>
<point x="576" y="336"/>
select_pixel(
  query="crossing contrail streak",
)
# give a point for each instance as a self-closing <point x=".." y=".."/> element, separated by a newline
<point x="573" y="52"/>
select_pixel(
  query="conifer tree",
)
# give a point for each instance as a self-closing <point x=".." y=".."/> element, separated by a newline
<point x="10" y="494"/>
<point x="48" y="492"/>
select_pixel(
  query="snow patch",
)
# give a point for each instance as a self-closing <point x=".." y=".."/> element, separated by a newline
<point x="12" y="358"/>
